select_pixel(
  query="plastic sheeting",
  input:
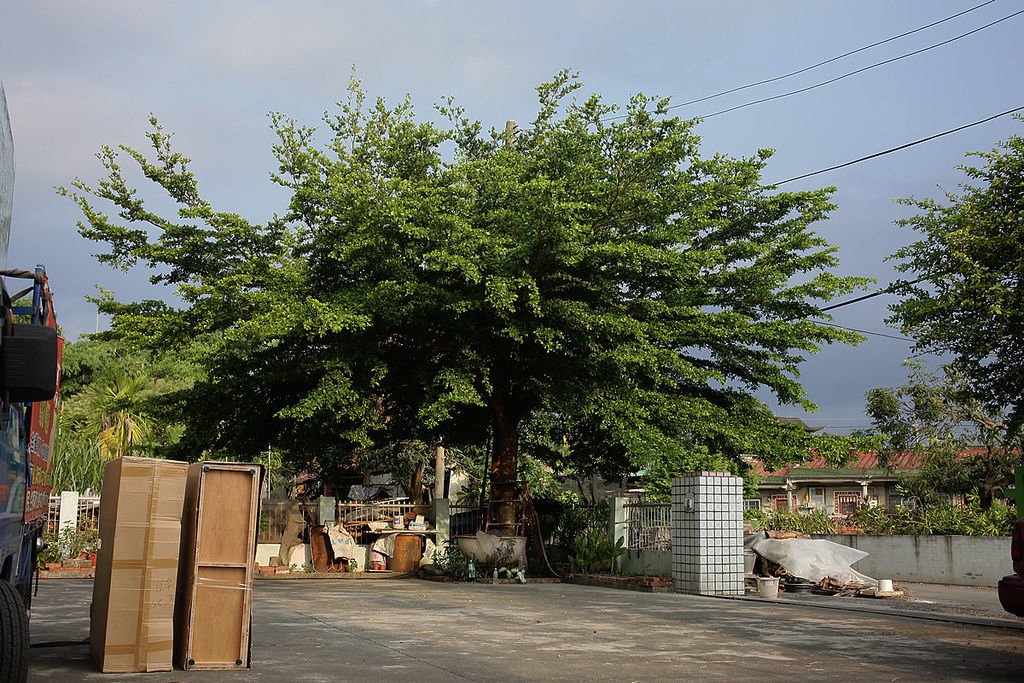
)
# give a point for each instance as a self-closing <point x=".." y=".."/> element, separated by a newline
<point x="811" y="559"/>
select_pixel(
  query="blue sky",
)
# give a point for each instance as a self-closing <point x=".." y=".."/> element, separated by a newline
<point x="79" y="75"/>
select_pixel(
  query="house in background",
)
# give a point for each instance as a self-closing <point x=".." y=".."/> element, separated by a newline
<point x="814" y="485"/>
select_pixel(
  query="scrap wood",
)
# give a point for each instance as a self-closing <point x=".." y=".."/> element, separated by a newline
<point x="786" y="534"/>
<point x="830" y="586"/>
<point x="844" y="590"/>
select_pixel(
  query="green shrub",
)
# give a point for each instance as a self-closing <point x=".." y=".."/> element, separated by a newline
<point x="934" y="519"/>
<point x="451" y="561"/>
<point x="69" y="543"/>
<point x="594" y="552"/>
<point x="941" y="519"/>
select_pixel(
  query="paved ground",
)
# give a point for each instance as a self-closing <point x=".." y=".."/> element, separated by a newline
<point x="412" y="630"/>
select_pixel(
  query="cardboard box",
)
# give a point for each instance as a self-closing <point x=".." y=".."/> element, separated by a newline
<point x="132" y="612"/>
<point x="220" y="524"/>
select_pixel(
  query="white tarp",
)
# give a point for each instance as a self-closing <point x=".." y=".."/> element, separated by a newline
<point x="811" y="559"/>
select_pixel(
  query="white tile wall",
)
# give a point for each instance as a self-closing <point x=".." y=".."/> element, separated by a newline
<point x="707" y="533"/>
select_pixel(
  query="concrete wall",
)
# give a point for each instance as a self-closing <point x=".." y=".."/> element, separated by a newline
<point x="957" y="560"/>
<point x="648" y="562"/>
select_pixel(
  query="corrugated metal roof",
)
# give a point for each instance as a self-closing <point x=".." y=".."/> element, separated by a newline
<point x="862" y="463"/>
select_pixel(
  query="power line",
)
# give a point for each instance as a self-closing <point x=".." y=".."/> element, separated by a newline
<point x="862" y="69"/>
<point x="832" y="59"/>
<point x="885" y="290"/>
<point x="872" y="295"/>
<point x="901" y="147"/>
<point x="868" y="332"/>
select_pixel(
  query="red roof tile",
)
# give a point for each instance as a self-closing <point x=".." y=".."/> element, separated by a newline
<point x="900" y="462"/>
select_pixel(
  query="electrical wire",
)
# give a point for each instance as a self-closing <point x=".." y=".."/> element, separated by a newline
<point x="862" y="69"/>
<point x="872" y="295"/>
<point x="868" y="332"/>
<point x="900" y="147"/>
<point x="830" y="60"/>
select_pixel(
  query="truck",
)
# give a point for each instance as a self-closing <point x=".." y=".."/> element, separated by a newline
<point x="29" y="370"/>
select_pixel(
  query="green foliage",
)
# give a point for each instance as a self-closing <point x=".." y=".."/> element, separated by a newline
<point x="758" y="519"/>
<point x="594" y="551"/>
<point x="921" y="520"/>
<point x="451" y="561"/>
<point x="970" y="257"/>
<point x="575" y="520"/>
<point x="816" y="522"/>
<point x="114" y="401"/>
<point x="77" y="463"/>
<point x="964" y="448"/>
<point x="938" y="519"/>
<point x="591" y="279"/>
<point x="68" y="543"/>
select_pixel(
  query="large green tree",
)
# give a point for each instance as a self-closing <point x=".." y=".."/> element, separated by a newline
<point x="967" y="300"/>
<point x="591" y="275"/>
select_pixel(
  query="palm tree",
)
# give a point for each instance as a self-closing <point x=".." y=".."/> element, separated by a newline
<point x="116" y="415"/>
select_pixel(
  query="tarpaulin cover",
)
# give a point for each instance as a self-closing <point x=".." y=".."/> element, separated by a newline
<point x="811" y="559"/>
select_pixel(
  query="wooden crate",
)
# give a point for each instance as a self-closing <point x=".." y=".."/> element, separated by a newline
<point x="218" y="549"/>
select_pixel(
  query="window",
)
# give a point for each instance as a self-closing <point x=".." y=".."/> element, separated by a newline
<point x="846" y="502"/>
<point x="780" y="503"/>
<point x="752" y="504"/>
<point x="895" y="498"/>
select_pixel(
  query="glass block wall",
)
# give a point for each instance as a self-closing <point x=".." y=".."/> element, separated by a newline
<point x="707" y="533"/>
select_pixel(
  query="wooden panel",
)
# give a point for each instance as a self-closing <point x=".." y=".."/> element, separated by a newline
<point x="226" y="528"/>
<point x="216" y="600"/>
<point x="218" y="635"/>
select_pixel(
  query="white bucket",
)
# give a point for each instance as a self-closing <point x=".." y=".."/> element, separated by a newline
<point x="885" y="586"/>
<point x="768" y="587"/>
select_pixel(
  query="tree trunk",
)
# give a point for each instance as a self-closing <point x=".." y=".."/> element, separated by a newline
<point x="415" y="490"/>
<point x="504" y="457"/>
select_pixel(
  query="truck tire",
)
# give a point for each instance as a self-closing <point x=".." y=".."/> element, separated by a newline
<point x="13" y="635"/>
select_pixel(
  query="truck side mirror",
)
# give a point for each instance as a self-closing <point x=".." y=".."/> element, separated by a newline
<point x="28" y="363"/>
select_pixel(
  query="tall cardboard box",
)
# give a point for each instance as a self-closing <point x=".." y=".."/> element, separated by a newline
<point x="220" y="525"/>
<point x="132" y="612"/>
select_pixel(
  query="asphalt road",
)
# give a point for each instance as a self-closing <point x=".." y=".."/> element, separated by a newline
<point x="419" y="631"/>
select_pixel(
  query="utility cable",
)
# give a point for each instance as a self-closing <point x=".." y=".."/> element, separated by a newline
<point x="829" y="61"/>
<point x="868" y="332"/>
<point x="872" y="295"/>
<point x="901" y="147"/>
<point x="862" y="69"/>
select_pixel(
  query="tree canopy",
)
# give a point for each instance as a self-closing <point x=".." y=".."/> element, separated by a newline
<point x="589" y="283"/>
<point x="964" y="448"/>
<point x="969" y="299"/>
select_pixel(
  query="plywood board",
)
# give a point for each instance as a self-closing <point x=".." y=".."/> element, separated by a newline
<point x="218" y="550"/>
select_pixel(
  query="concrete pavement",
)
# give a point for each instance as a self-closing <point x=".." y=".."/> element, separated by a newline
<point x="412" y="630"/>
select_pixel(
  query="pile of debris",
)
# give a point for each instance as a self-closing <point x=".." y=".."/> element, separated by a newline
<point x="829" y="586"/>
<point x="815" y="565"/>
